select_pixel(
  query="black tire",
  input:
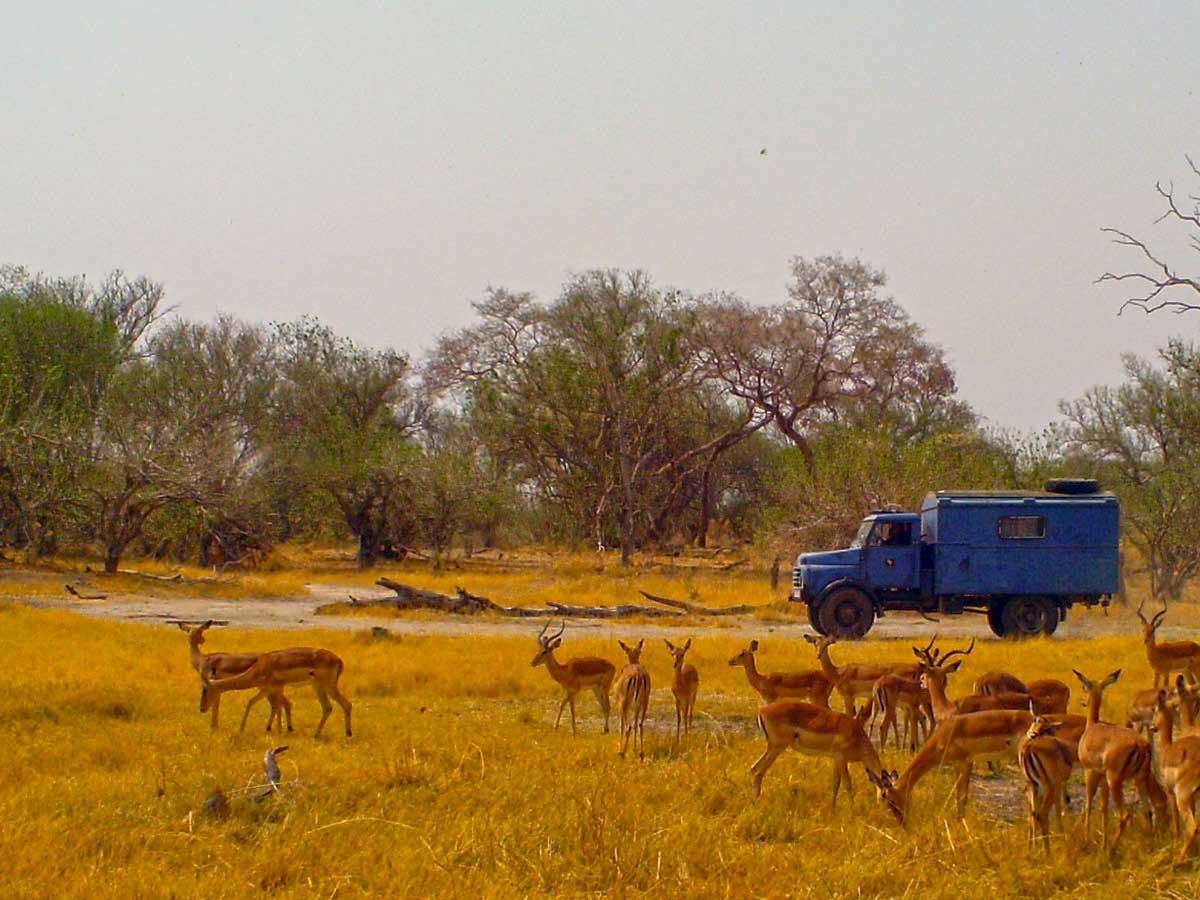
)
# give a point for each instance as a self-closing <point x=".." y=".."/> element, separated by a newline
<point x="813" y="619"/>
<point x="995" y="618"/>
<point x="1072" y="486"/>
<point x="1026" y="617"/>
<point x="846" y="613"/>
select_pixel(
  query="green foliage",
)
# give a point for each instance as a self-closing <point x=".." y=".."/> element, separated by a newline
<point x="1144" y="440"/>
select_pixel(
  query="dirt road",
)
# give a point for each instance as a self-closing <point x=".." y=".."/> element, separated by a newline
<point x="300" y="613"/>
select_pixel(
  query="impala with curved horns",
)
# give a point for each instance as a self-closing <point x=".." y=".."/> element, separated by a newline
<point x="575" y="674"/>
<point x="1167" y="657"/>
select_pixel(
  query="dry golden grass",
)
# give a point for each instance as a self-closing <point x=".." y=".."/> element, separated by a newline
<point x="456" y="785"/>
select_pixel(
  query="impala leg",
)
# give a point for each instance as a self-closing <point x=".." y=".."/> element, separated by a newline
<point x="326" y="707"/>
<point x="678" y="717"/>
<point x="601" y="692"/>
<point x="287" y="710"/>
<point x="1091" y="781"/>
<point x="571" y="702"/>
<point x="561" y="707"/>
<point x="691" y="708"/>
<point x="764" y="762"/>
<point x="344" y="703"/>
<point x="848" y="701"/>
<point x="962" y="787"/>
<point x="261" y="693"/>
<point x="1187" y="808"/>
<point x="216" y="706"/>
<point x="1116" y="790"/>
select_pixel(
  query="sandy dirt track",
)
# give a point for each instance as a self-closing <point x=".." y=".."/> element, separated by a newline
<point x="300" y="613"/>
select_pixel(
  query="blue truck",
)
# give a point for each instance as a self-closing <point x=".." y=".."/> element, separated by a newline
<point x="1023" y="558"/>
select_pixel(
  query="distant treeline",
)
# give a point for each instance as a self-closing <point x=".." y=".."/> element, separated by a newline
<point x="619" y="415"/>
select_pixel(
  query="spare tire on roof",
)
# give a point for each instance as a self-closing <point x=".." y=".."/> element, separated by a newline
<point x="1072" y="486"/>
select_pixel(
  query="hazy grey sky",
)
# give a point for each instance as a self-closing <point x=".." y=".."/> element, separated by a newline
<point x="380" y="164"/>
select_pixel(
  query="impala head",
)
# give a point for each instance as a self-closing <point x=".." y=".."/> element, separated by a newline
<point x="1097" y="688"/>
<point x="548" y="643"/>
<point x="887" y="792"/>
<point x="635" y="652"/>
<point x="936" y="666"/>
<point x="1148" y="628"/>
<point x="820" y="642"/>
<point x="677" y="653"/>
<point x="1040" y="726"/>
<point x="195" y="634"/>
<point x="746" y="657"/>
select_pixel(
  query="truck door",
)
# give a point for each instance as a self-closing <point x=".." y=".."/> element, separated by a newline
<point x="891" y="557"/>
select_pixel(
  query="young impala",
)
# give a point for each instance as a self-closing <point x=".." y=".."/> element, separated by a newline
<point x="816" y="731"/>
<point x="1180" y="763"/>
<point x="1050" y="694"/>
<point x="856" y="680"/>
<point x="811" y="685"/>
<point x="1046" y="761"/>
<point x="685" y="685"/>
<point x="893" y="694"/>
<point x="271" y="671"/>
<point x="221" y="665"/>
<point x="1114" y="755"/>
<point x="575" y="674"/>
<point x="633" y="698"/>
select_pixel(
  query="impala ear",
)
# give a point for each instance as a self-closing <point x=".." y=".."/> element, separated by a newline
<point x="1111" y="679"/>
<point x="554" y="644"/>
<point x="670" y="646"/>
<point x="754" y="646"/>
<point x="1087" y="685"/>
<point x="641" y="643"/>
<point x="810" y="638"/>
<point x="688" y="646"/>
<point x="183" y="628"/>
<point x="954" y="666"/>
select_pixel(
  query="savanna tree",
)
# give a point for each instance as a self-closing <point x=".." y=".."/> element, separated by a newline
<point x="1145" y="438"/>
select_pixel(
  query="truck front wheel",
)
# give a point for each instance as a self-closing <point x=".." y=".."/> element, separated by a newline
<point x="1025" y="617"/>
<point x="845" y="612"/>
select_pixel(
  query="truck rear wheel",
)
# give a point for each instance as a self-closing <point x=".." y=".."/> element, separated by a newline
<point x="994" y="620"/>
<point x="1026" y="617"/>
<point x="845" y="612"/>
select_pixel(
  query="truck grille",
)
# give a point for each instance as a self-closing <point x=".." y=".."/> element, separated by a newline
<point x="796" y="579"/>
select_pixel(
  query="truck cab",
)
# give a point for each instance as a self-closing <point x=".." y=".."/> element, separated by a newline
<point x="1020" y="557"/>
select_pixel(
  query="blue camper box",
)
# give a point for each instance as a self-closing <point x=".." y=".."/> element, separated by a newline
<point x="1023" y="558"/>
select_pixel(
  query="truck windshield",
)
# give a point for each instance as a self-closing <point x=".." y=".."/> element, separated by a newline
<point x="861" y="538"/>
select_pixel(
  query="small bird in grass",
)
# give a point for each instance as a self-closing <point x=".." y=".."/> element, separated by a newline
<point x="274" y="776"/>
<point x="272" y="767"/>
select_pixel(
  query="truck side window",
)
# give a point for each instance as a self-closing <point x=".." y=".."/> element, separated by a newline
<point x="891" y="534"/>
<point x="1022" y="527"/>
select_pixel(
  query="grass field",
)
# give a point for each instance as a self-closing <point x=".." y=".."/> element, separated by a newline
<point x="456" y="784"/>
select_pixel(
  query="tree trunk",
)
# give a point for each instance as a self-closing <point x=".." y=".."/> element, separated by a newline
<point x="112" y="557"/>
<point x="705" y="507"/>
<point x="368" y="547"/>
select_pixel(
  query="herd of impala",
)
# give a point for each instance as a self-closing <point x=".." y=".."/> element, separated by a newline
<point x="1004" y="719"/>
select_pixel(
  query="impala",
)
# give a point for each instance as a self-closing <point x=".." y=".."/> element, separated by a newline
<point x="1143" y="708"/>
<point x="1180" y="764"/>
<point x="633" y="695"/>
<point x="812" y="685"/>
<point x="271" y="671"/>
<point x="1046" y="762"/>
<point x="817" y="731"/>
<point x="1113" y="755"/>
<point x="684" y="685"/>
<point x="892" y="693"/>
<point x="855" y="680"/>
<point x="1167" y="657"/>
<point x="934" y="671"/>
<point x="225" y="664"/>
<point x="1051" y="695"/>
<point x="575" y="674"/>
<point x="958" y="741"/>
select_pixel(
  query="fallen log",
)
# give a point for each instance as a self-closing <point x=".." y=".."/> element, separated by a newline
<point x="466" y="603"/>
<point x="695" y="610"/>
<point x="71" y="589"/>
